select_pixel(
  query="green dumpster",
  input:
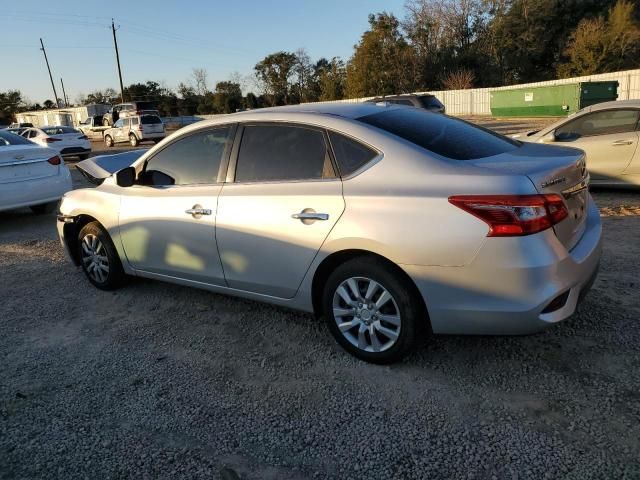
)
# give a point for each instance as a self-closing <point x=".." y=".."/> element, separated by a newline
<point x="551" y="101"/>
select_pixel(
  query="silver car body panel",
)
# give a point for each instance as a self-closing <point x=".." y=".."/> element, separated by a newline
<point x="396" y="207"/>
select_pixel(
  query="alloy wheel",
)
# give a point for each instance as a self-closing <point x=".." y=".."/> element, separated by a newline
<point x="94" y="258"/>
<point x="366" y="314"/>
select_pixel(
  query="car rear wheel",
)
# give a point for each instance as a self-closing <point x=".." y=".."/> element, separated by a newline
<point x="108" y="141"/>
<point x="43" y="208"/>
<point x="370" y="310"/>
<point x="99" y="258"/>
<point x="133" y="140"/>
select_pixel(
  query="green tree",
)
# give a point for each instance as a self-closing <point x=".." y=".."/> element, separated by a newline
<point x="11" y="102"/>
<point x="332" y="78"/>
<point x="380" y="64"/>
<point x="599" y="45"/>
<point x="274" y="72"/>
<point x="227" y="97"/>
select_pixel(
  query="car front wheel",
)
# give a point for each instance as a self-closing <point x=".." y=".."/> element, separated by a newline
<point x="99" y="258"/>
<point x="108" y="141"/>
<point x="371" y="311"/>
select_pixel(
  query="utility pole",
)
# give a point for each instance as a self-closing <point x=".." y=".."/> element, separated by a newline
<point x="50" y="76"/>
<point x="64" y="94"/>
<point x="115" y="43"/>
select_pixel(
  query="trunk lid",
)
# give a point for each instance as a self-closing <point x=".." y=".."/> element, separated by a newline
<point x="551" y="169"/>
<point x="22" y="162"/>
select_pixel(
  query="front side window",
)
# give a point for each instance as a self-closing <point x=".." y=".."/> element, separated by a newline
<point x="285" y="153"/>
<point x="599" y="123"/>
<point x="119" y="123"/>
<point x="450" y="137"/>
<point x="350" y="154"/>
<point x="194" y="159"/>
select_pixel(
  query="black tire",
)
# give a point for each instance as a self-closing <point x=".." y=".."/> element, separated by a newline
<point x="44" y="208"/>
<point x="408" y="307"/>
<point x="83" y="157"/>
<point x="108" y="141"/>
<point x="114" y="277"/>
<point x="133" y="140"/>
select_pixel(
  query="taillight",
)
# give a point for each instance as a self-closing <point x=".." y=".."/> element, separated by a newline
<point x="51" y="139"/>
<point x="54" y="160"/>
<point x="514" y="215"/>
<point x="83" y="137"/>
<point x="139" y="127"/>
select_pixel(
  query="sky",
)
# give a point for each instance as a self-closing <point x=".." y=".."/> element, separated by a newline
<point x="165" y="40"/>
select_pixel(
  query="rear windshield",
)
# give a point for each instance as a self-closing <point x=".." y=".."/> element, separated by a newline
<point x="431" y="101"/>
<point x="440" y="134"/>
<point x="59" y="130"/>
<point x="8" y="138"/>
<point x="150" y="120"/>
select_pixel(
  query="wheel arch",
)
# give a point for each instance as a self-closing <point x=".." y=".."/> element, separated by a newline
<point x="71" y="231"/>
<point x="332" y="261"/>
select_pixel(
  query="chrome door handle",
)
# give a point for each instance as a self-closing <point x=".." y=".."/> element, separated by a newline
<point x="617" y="143"/>
<point x="197" y="211"/>
<point x="310" y="216"/>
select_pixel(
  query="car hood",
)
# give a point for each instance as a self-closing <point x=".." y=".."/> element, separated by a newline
<point x="97" y="168"/>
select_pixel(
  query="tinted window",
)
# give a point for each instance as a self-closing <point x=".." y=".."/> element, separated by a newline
<point x="599" y="123"/>
<point x="402" y="102"/>
<point x="282" y="153"/>
<point x="150" y="120"/>
<point x="446" y="136"/>
<point x="350" y="155"/>
<point x="59" y="130"/>
<point x="193" y="159"/>
<point x="134" y="121"/>
<point x="431" y="102"/>
<point x="8" y="138"/>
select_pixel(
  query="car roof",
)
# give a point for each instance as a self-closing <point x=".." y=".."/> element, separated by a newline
<point x="342" y="109"/>
<point x="614" y="104"/>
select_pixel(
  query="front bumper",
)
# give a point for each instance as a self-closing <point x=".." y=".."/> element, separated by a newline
<point x="511" y="282"/>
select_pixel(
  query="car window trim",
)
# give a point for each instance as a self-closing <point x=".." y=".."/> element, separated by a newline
<point x="233" y="163"/>
<point x="223" y="162"/>
<point x="637" y="110"/>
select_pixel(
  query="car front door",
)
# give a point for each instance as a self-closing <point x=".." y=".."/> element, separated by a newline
<point x="167" y="220"/>
<point x="117" y="130"/>
<point x="281" y="200"/>
<point x="608" y="137"/>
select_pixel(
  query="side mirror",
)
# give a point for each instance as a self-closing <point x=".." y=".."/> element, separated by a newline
<point x="548" y="138"/>
<point x="126" y="177"/>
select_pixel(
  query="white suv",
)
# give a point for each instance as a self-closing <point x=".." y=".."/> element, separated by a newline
<point x="135" y="130"/>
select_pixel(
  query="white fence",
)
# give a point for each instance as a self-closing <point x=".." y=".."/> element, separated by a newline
<point x="476" y="101"/>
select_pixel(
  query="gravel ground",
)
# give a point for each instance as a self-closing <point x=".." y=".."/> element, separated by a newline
<point x="160" y="381"/>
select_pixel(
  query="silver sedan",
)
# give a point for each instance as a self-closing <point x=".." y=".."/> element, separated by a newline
<point x="388" y="221"/>
<point x="608" y="133"/>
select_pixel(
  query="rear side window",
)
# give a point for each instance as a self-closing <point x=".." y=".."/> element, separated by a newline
<point x="350" y="155"/>
<point x="194" y="159"/>
<point x="446" y="136"/>
<point x="150" y="120"/>
<point x="273" y="152"/>
<point x="134" y="121"/>
<point x="599" y="123"/>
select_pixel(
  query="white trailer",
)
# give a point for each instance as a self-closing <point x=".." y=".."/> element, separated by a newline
<point x="71" y="116"/>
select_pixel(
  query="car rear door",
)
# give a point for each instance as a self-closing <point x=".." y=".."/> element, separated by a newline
<point x="281" y="200"/>
<point x="608" y="137"/>
<point x="167" y="220"/>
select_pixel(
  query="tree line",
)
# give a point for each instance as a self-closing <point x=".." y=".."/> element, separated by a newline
<point x="437" y="44"/>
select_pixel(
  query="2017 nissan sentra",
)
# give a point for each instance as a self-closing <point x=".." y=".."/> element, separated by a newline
<point x="388" y="221"/>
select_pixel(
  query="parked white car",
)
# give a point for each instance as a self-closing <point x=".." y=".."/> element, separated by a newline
<point x="134" y="130"/>
<point x="67" y="141"/>
<point x="30" y="175"/>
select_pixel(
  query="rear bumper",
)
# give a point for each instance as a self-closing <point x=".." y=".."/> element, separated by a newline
<point x="151" y="136"/>
<point x="511" y="282"/>
<point x="36" y="191"/>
